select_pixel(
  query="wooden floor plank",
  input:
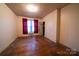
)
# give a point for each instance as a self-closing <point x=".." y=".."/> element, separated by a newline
<point x="36" y="46"/>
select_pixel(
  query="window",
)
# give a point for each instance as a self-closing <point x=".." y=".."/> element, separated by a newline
<point x="30" y="25"/>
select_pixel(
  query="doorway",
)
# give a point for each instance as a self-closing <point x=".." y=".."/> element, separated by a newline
<point x="43" y="28"/>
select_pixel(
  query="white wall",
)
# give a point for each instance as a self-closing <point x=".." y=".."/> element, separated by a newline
<point x="70" y="26"/>
<point x="41" y="27"/>
<point x="50" y="25"/>
<point x="20" y="27"/>
<point x="7" y="27"/>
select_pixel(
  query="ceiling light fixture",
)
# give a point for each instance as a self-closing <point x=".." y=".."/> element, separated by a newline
<point x="32" y="8"/>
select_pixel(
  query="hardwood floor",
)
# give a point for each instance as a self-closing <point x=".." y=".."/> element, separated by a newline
<point x="36" y="46"/>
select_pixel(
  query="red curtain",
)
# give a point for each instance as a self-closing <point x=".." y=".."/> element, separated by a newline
<point x="35" y="26"/>
<point x="25" y="29"/>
